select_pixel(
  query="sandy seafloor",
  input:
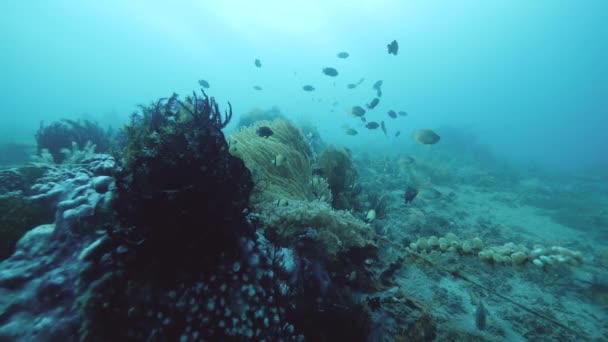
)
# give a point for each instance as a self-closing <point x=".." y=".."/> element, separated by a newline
<point x="529" y="208"/>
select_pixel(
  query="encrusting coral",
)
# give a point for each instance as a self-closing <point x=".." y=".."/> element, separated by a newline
<point x="281" y="165"/>
<point x="336" y="230"/>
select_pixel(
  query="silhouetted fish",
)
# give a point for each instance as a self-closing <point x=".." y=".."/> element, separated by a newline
<point x="308" y="88"/>
<point x="480" y="316"/>
<point x="330" y="72"/>
<point x="426" y="137"/>
<point x="257" y="87"/>
<point x="410" y="194"/>
<point x="203" y="83"/>
<point x="393" y="48"/>
<point x="357" y="111"/>
<point x="351" y="131"/>
<point x="372" y="125"/>
<point x="378" y="88"/>
<point x="258" y="63"/>
<point x="264" y="131"/>
<point x="343" y="55"/>
<point x="392" y="114"/>
<point x="374" y="103"/>
<point x="383" y="127"/>
<point x="402" y="113"/>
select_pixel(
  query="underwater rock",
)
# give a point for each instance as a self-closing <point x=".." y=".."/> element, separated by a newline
<point x="38" y="283"/>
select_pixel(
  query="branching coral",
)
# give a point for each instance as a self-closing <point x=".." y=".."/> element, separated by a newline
<point x="281" y="164"/>
<point x="63" y="134"/>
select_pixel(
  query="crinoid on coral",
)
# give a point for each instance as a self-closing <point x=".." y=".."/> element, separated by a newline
<point x="337" y="166"/>
<point x="281" y="164"/>
<point x="61" y="135"/>
<point x="179" y="188"/>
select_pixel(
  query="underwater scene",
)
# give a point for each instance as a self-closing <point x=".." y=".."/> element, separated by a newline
<point x="321" y="170"/>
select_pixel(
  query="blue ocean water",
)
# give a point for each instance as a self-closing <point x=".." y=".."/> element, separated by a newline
<point x="517" y="91"/>
<point x="527" y="78"/>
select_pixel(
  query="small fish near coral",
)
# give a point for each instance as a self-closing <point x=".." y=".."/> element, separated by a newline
<point x="480" y="316"/>
<point x="426" y="137"/>
<point x="410" y="194"/>
<point x="264" y="131"/>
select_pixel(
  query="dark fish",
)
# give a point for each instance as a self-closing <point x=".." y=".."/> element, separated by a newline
<point x="397" y="133"/>
<point x="374" y="103"/>
<point x="330" y="72"/>
<point x="372" y="125"/>
<point x="264" y="131"/>
<point x="357" y="111"/>
<point x="354" y="85"/>
<point x="203" y="83"/>
<point x="392" y="114"/>
<point x="402" y="113"/>
<point x="363" y="119"/>
<point x="378" y="88"/>
<point x="480" y="316"/>
<point x="343" y="55"/>
<point x="351" y="131"/>
<point x="308" y="88"/>
<point x="393" y="48"/>
<point x="257" y="87"/>
<point x="383" y="127"/>
<point x="410" y="194"/>
<point x="426" y="137"/>
<point x="257" y="63"/>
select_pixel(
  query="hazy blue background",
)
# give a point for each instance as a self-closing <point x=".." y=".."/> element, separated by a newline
<point x="528" y="77"/>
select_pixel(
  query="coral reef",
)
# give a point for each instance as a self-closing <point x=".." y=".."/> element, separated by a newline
<point x="336" y="165"/>
<point x="38" y="283"/>
<point x="185" y="262"/>
<point x="507" y="254"/>
<point x="168" y="163"/>
<point x="336" y="230"/>
<point x="60" y="135"/>
<point x="281" y="164"/>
